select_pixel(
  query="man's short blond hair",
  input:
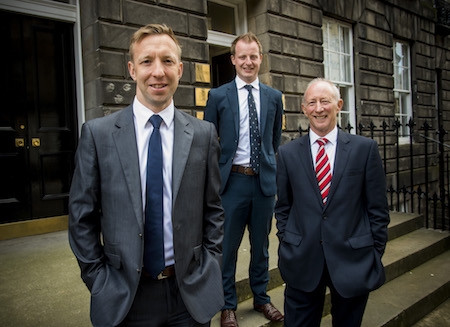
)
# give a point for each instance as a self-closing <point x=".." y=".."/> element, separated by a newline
<point x="152" y="29"/>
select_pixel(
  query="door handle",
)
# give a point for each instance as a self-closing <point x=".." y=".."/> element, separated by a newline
<point x="36" y="142"/>
<point x="20" y="142"/>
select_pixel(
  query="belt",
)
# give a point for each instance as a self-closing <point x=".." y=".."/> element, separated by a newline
<point x="243" y="170"/>
<point x="166" y="273"/>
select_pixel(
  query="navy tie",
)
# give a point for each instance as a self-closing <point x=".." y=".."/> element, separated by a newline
<point x="154" y="262"/>
<point x="255" y="137"/>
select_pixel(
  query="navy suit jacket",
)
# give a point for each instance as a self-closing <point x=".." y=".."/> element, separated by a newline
<point x="106" y="218"/>
<point x="349" y="233"/>
<point x="222" y="109"/>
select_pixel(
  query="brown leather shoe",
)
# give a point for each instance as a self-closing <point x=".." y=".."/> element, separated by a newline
<point x="228" y="319"/>
<point x="270" y="312"/>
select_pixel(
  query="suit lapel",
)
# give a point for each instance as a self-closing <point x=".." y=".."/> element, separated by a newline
<point x="183" y="136"/>
<point x="234" y="104"/>
<point x="343" y="150"/>
<point x="264" y="100"/>
<point x="125" y="139"/>
<point x="308" y="165"/>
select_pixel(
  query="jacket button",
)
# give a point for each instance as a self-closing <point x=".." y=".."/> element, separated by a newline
<point x="324" y="217"/>
<point x="140" y="235"/>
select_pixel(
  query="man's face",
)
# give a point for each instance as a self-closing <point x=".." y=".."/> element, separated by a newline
<point x="157" y="69"/>
<point x="247" y="60"/>
<point x="321" y="107"/>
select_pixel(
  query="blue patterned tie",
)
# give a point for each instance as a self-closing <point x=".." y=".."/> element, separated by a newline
<point x="154" y="262"/>
<point x="255" y="137"/>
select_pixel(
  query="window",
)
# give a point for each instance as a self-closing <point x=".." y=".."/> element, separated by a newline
<point x="338" y="64"/>
<point x="402" y="87"/>
<point x="226" y="20"/>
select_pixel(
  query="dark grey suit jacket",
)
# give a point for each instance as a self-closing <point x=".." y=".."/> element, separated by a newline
<point x="222" y="109"/>
<point x="106" y="222"/>
<point x="349" y="233"/>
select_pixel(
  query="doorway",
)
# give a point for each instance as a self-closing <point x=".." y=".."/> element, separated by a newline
<point x="38" y="127"/>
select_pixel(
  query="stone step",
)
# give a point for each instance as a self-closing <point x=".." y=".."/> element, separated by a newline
<point x="407" y="252"/>
<point x="401" y="224"/>
<point x="409" y="245"/>
<point x="439" y="317"/>
<point x="411" y="250"/>
<point x="409" y="297"/>
<point x="404" y="223"/>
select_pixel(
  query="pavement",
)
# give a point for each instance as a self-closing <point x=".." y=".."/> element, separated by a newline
<point x="40" y="283"/>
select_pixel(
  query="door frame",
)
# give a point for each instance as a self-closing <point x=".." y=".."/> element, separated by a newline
<point x="63" y="12"/>
<point x="66" y="13"/>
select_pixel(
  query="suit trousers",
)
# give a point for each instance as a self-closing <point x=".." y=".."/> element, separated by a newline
<point x="245" y="205"/>
<point x="305" y="308"/>
<point x="158" y="303"/>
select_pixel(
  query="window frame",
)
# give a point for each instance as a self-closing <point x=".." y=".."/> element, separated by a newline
<point x="402" y="96"/>
<point x="240" y="17"/>
<point x="346" y="87"/>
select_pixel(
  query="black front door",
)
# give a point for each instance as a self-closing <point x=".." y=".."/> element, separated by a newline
<point x="38" y="131"/>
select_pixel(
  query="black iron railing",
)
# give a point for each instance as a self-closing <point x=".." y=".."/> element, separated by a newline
<point x="417" y="170"/>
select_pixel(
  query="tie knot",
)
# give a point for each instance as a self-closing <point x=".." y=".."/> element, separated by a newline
<point x="322" y="141"/>
<point x="248" y="87"/>
<point x="156" y="121"/>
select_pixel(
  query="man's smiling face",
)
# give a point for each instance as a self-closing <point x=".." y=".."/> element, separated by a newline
<point x="157" y="68"/>
<point x="321" y="106"/>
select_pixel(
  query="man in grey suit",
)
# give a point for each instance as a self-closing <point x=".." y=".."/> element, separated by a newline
<point x="248" y="118"/>
<point x="332" y="216"/>
<point x="107" y="207"/>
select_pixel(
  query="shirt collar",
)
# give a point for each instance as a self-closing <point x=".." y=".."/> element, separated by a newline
<point x="143" y="114"/>
<point x="240" y="83"/>
<point x="331" y="136"/>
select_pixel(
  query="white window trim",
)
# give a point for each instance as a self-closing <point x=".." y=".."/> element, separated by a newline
<point x="64" y="12"/>
<point x="408" y="114"/>
<point x="350" y="86"/>
<point x="240" y="17"/>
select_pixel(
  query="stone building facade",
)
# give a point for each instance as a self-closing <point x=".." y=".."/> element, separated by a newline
<point x="391" y="58"/>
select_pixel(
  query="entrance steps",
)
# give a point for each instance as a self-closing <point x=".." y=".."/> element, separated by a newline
<point x="416" y="292"/>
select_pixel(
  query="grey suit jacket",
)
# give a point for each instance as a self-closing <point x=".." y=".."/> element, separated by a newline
<point x="349" y="233"/>
<point x="222" y="109"/>
<point x="106" y="222"/>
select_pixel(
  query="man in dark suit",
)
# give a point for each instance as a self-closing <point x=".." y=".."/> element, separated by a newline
<point x="248" y="118"/>
<point x="329" y="236"/>
<point x="107" y="210"/>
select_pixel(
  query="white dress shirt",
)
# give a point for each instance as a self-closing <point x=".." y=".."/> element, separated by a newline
<point x="330" y="147"/>
<point x="242" y="156"/>
<point x="144" y="130"/>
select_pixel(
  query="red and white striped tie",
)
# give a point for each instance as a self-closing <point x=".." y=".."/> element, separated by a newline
<point x="323" y="170"/>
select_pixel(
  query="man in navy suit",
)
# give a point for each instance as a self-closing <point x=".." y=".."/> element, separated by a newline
<point x="337" y="238"/>
<point x="248" y="192"/>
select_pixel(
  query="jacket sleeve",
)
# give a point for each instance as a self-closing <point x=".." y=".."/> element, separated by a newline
<point x="284" y="198"/>
<point x="377" y="206"/>
<point x="84" y="209"/>
<point x="213" y="214"/>
<point x="277" y="126"/>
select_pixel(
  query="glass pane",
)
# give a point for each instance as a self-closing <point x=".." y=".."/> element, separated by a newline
<point x="397" y="78"/>
<point x="346" y="69"/>
<point x="405" y="79"/>
<point x="334" y="68"/>
<point x="221" y="18"/>
<point x="333" y="42"/>
<point x="345" y="42"/>
<point x="325" y="35"/>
